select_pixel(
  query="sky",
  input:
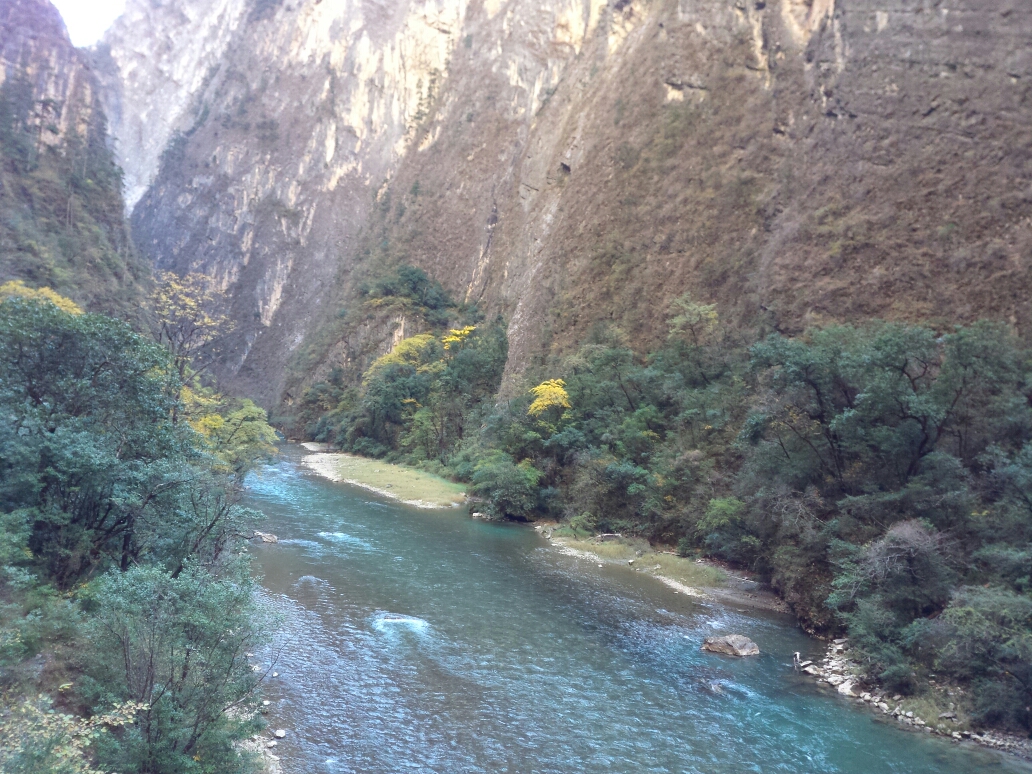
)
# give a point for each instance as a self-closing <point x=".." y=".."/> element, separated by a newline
<point x="88" y="19"/>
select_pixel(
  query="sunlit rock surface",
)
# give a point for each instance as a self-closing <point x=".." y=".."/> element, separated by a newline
<point x="569" y="162"/>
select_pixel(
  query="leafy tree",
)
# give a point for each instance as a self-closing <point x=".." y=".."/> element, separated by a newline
<point x="240" y="438"/>
<point x="692" y="320"/>
<point x="189" y="323"/>
<point x="510" y="488"/>
<point x="99" y="480"/>
<point x="18" y="289"/>
<point x="88" y="436"/>
<point x="985" y="637"/>
<point x="550" y="394"/>
<point x="178" y="646"/>
<point x="35" y="739"/>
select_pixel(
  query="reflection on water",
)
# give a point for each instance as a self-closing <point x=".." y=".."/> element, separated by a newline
<point x="423" y="641"/>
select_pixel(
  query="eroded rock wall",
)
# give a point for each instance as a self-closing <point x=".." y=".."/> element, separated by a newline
<point x="34" y="46"/>
<point x="61" y="207"/>
<point x="154" y="63"/>
<point x="571" y="162"/>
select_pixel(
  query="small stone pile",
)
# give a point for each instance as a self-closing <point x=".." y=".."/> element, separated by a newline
<point x="836" y="669"/>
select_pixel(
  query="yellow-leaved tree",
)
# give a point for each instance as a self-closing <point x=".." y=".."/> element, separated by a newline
<point x="414" y="351"/>
<point x="35" y="737"/>
<point x="189" y="322"/>
<point x="18" y="289"/>
<point x="548" y="395"/>
<point x="240" y="438"/>
<point x="457" y="336"/>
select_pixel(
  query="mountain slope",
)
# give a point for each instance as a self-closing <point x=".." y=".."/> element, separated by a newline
<point x="60" y="191"/>
<point x="576" y="162"/>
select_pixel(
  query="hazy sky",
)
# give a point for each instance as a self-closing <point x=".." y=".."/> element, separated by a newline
<point x="87" y="19"/>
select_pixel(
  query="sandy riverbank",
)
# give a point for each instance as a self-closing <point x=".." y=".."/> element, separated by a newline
<point x="410" y="486"/>
<point x="692" y="577"/>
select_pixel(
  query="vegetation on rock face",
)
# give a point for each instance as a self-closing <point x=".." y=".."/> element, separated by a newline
<point x="120" y="555"/>
<point x="63" y="219"/>
<point x="421" y="399"/>
<point x="879" y="476"/>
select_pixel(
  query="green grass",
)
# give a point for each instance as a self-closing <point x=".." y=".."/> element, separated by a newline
<point x="686" y="571"/>
<point x="396" y="481"/>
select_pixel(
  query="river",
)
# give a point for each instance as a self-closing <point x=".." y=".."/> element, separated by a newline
<point x="423" y="641"/>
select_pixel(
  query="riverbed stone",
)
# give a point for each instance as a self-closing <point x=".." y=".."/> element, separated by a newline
<point x="731" y="645"/>
<point x="846" y="688"/>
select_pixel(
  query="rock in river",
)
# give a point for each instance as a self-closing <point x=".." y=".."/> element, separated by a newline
<point x="731" y="645"/>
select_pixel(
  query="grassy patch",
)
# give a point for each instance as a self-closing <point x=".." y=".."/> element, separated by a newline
<point x="686" y="571"/>
<point x="406" y="484"/>
<point x="929" y="706"/>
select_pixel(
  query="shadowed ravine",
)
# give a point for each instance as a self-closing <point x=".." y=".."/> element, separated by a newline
<point x="423" y="641"/>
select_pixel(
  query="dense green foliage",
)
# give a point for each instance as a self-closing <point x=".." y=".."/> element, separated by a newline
<point x="61" y="198"/>
<point x="121" y="538"/>
<point x="879" y="476"/>
<point x="418" y="402"/>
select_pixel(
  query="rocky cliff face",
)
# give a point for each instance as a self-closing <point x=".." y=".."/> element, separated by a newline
<point x="34" y="48"/>
<point x="154" y="63"/>
<point x="574" y="161"/>
<point x="60" y="192"/>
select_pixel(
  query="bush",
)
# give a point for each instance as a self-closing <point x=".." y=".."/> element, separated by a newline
<point x="984" y="637"/>
<point x="510" y="488"/>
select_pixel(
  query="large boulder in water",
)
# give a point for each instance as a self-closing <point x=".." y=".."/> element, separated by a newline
<point x="731" y="645"/>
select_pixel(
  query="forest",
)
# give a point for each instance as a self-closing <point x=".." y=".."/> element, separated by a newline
<point x="879" y="476"/>
<point x="124" y="585"/>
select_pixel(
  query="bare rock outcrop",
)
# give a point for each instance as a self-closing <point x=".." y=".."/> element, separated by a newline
<point x="731" y="645"/>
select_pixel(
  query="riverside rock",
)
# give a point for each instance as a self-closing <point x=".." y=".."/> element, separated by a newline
<point x="731" y="645"/>
<point x="265" y="537"/>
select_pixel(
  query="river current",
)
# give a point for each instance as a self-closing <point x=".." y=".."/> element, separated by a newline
<point x="423" y="641"/>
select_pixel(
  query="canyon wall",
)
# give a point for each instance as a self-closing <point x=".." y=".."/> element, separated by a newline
<point x="35" y="48"/>
<point x="572" y="162"/>
<point x="62" y="221"/>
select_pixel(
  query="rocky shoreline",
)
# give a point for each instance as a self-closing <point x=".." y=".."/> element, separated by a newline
<point x="837" y="670"/>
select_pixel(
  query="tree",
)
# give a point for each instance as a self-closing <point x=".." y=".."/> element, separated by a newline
<point x="18" y="289"/>
<point x="88" y="435"/>
<point x="35" y="739"/>
<point x="692" y="320"/>
<point x="511" y="488"/>
<point x="548" y="395"/>
<point x="188" y="323"/>
<point x="177" y="645"/>
<point x="240" y="438"/>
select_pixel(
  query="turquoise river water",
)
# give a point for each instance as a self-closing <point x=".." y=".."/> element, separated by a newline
<point x="423" y="641"/>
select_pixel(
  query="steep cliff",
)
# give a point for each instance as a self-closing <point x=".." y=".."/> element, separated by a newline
<point x="566" y="163"/>
<point x="60" y="191"/>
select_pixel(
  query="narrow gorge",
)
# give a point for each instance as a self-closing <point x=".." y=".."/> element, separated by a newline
<point x="562" y="162"/>
<point x="729" y="299"/>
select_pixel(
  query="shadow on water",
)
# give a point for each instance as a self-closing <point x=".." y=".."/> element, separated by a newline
<point x="423" y="641"/>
